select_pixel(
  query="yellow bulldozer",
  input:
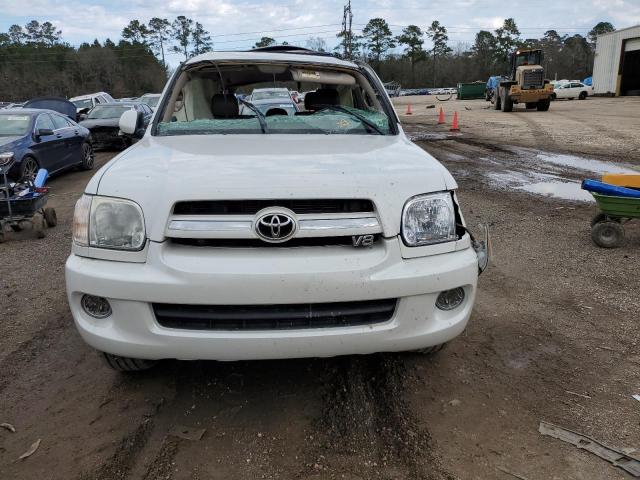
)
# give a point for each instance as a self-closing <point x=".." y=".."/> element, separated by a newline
<point x="525" y="84"/>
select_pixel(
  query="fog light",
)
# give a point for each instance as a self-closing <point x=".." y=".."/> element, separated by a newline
<point x="97" y="307"/>
<point x="450" y="299"/>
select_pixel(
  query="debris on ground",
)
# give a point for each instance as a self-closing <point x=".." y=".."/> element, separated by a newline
<point x="617" y="457"/>
<point x="430" y="106"/>
<point x="508" y="472"/>
<point x="637" y="397"/>
<point x="32" y="449"/>
<point x="8" y="426"/>
<point x="187" y="433"/>
<point x="578" y="394"/>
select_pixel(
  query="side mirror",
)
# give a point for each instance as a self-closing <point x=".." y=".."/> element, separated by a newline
<point x="43" y="132"/>
<point x="129" y="122"/>
<point x="82" y="116"/>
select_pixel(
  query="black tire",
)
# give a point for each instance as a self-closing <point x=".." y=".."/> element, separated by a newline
<point x="15" y="227"/>
<point x="553" y="96"/>
<point x="507" y="102"/>
<point x="39" y="225"/>
<point x="50" y="217"/>
<point x="582" y="95"/>
<point x="125" y="364"/>
<point x="87" y="157"/>
<point x="496" y="100"/>
<point x="28" y="169"/>
<point x="543" y="105"/>
<point x="430" y="350"/>
<point x="607" y="234"/>
<point x="603" y="217"/>
<point x="531" y="105"/>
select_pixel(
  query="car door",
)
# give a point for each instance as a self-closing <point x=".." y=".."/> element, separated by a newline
<point x="49" y="149"/>
<point x="72" y="140"/>
<point x="562" y="91"/>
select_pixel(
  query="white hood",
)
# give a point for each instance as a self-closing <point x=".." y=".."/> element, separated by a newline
<point x="161" y="170"/>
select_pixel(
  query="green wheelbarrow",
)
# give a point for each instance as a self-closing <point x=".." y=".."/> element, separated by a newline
<point x="607" y="226"/>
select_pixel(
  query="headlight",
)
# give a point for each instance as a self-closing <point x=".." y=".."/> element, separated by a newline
<point x="105" y="222"/>
<point x="429" y="219"/>
<point x="5" y="158"/>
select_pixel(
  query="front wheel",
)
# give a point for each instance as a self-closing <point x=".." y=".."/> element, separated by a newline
<point x="607" y="234"/>
<point x="496" y="100"/>
<point x="507" y="102"/>
<point x="126" y="364"/>
<point x="430" y="350"/>
<point x="87" y="156"/>
<point x="543" y="105"/>
<point x="50" y="217"/>
<point x="28" y="169"/>
<point x="553" y="96"/>
<point x="582" y="95"/>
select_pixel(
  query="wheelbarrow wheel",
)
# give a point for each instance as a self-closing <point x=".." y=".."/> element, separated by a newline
<point x="39" y="225"/>
<point x="603" y="217"/>
<point x="50" y="217"/>
<point x="16" y="227"/>
<point x="607" y="234"/>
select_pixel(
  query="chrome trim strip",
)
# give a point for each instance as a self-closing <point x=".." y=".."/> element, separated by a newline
<point x="210" y="225"/>
<point x="318" y="225"/>
<point x="307" y="227"/>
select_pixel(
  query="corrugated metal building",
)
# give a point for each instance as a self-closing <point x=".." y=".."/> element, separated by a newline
<point x="616" y="68"/>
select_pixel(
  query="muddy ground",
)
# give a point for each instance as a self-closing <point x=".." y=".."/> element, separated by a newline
<point x="554" y="336"/>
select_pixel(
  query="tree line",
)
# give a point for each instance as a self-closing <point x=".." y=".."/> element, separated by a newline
<point x="34" y="60"/>
<point x="565" y="56"/>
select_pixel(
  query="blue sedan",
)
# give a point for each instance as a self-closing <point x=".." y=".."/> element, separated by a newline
<point x="43" y="139"/>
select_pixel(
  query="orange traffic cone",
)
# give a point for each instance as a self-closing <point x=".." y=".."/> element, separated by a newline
<point x="454" y="125"/>
<point x="441" y="117"/>
<point x="408" y="112"/>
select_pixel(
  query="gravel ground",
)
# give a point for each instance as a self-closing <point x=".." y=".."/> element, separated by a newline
<point x="553" y="337"/>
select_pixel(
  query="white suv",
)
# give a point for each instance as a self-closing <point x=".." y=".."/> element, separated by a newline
<point x="226" y="236"/>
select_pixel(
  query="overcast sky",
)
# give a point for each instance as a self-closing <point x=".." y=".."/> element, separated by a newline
<point x="238" y="24"/>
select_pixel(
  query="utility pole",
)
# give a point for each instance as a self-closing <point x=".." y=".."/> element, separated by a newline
<point x="347" y="34"/>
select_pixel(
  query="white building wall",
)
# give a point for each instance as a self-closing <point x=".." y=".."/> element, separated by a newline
<point x="607" y="59"/>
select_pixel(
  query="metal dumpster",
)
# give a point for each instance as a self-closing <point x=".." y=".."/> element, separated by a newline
<point x="468" y="91"/>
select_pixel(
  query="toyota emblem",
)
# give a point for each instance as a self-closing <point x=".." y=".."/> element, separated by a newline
<point x="275" y="226"/>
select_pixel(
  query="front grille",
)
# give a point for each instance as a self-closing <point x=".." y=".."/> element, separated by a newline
<point x="251" y="207"/>
<point x="258" y="243"/>
<point x="533" y="79"/>
<point x="274" y="317"/>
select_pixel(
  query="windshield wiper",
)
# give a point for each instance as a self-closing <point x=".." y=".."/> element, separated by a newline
<point x="259" y="114"/>
<point x="364" y="120"/>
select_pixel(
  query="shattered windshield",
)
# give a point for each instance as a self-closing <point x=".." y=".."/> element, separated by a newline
<point x="256" y="99"/>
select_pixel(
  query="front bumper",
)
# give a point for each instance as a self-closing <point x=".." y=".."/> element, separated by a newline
<point x="191" y="275"/>
<point x="531" y="95"/>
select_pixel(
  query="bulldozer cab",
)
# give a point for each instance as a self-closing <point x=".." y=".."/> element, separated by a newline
<point x="522" y="58"/>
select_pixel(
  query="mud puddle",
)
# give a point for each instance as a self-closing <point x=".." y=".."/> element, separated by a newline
<point x="541" y="184"/>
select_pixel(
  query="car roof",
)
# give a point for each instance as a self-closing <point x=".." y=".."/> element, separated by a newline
<point x="88" y="95"/>
<point x="118" y="104"/>
<point x="28" y="111"/>
<point x="271" y="56"/>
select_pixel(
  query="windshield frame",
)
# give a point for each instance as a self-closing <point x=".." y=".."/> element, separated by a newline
<point x="360" y="68"/>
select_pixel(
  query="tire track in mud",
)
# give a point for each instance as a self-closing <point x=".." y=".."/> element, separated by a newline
<point x="367" y="428"/>
<point x="542" y="136"/>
